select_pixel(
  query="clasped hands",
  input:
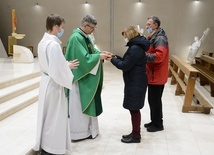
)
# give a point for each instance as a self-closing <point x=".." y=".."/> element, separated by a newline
<point x="105" y="55"/>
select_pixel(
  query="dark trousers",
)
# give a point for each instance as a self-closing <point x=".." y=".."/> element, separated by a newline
<point x="136" y="120"/>
<point x="155" y="103"/>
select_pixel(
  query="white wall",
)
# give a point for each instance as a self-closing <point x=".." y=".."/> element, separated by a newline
<point x="181" y="19"/>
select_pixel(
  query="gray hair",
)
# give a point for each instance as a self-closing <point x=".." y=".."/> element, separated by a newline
<point x="155" y="20"/>
<point x="88" y="19"/>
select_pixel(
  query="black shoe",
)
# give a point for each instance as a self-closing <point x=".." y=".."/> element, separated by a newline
<point x="78" y="140"/>
<point x="126" y="136"/>
<point x="130" y="139"/>
<point x="147" y="125"/>
<point x="154" y="128"/>
<point x="43" y="152"/>
<point x="89" y="137"/>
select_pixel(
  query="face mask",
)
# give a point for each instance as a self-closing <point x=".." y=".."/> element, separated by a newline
<point x="126" y="40"/>
<point x="60" y="33"/>
<point x="149" y="30"/>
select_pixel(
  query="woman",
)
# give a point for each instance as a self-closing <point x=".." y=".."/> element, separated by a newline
<point x="133" y="65"/>
<point x="52" y="123"/>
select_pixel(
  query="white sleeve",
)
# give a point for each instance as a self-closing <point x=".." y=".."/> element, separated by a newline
<point x="94" y="70"/>
<point x="58" y="68"/>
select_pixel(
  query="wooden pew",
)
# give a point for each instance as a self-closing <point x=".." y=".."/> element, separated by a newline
<point x="185" y="76"/>
<point x="209" y="53"/>
<point x="198" y="59"/>
<point x="206" y="72"/>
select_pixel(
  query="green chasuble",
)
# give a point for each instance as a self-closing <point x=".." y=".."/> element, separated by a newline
<point x="80" y="47"/>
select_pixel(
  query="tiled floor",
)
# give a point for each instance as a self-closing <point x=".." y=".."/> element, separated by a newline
<point x="184" y="134"/>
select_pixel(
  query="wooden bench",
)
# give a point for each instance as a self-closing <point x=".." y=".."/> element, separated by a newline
<point x="185" y="76"/>
<point x="198" y="59"/>
<point x="209" y="53"/>
<point x="206" y="72"/>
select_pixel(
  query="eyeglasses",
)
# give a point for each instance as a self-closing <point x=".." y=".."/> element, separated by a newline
<point x="92" y="27"/>
<point x="149" y="24"/>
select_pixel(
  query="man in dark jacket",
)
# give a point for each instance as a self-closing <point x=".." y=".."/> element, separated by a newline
<point x="157" y="71"/>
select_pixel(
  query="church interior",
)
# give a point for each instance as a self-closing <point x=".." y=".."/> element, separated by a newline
<point x="188" y="97"/>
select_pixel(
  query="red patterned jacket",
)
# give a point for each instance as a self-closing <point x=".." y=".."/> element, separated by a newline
<point x="158" y="58"/>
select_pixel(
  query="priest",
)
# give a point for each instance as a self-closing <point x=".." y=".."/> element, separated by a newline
<point x="85" y="96"/>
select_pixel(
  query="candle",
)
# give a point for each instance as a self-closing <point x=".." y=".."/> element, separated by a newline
<point x="14" y="21"/>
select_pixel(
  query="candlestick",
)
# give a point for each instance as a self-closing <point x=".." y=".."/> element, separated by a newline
<point x="14" y="21"/>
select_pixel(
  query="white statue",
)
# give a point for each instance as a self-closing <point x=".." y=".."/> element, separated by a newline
<point x="93" y="40"/>
<point x="194" y="48"/>
<point x="140" y="30"/>
<point x="92" y="37"/>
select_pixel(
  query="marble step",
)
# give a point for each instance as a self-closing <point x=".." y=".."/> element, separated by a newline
<point x="12" y="81"/>
<point x="15" y="90"/>
<point x="15" y="104"/>
<point x="18" y="132"/>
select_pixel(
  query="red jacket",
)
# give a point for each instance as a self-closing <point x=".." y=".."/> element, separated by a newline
<point x="158" y="58"/>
